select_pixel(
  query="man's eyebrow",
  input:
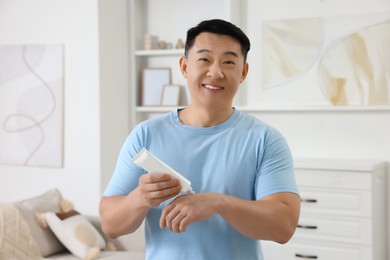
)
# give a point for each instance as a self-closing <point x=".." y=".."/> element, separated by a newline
<point x="203" y="50"/>
<point x="229" y="53"/>
<point x="232" y="53"/>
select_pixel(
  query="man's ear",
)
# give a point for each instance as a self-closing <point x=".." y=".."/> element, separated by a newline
<point x="244" y="72"/>
<point x="183" y="66"/>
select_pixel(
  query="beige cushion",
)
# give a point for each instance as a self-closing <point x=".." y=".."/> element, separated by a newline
<point x="49" y="201"/>
<point x="77" y="234"/>
<point x="16" y="241"/>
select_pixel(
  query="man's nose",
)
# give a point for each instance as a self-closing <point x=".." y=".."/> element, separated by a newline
<point x="215" y="71"/>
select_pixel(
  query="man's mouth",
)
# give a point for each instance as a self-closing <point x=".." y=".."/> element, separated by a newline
<point x="212" y="87"/>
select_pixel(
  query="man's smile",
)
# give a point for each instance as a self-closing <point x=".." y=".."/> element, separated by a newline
<point x="211" y="87"/>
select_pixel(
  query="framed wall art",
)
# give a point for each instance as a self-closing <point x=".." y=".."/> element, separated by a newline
<point x="325" y="61"/>
<point x="153" y="82"/>
<point x="31" y="105"/>
<point x="170" y="95"/>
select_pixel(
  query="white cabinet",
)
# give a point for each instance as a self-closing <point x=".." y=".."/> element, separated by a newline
<point x="169" y="20"/>
<point x="343" y="213"/>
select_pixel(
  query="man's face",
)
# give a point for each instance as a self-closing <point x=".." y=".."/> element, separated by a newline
<point x="214" y="69"/>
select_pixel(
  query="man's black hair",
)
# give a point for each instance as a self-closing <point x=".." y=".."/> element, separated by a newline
<point x="218" y="26"/>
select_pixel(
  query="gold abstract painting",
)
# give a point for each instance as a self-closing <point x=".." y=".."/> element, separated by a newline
<point x="356" y="69"/>
<point x="349" y="58"/>
<point x="290" y="48"/>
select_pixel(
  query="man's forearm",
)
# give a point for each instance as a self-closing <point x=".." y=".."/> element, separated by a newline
<point x="121" y="214"/>
<point x="273" y="218"/>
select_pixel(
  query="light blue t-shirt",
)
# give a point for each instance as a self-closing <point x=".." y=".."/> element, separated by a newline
<point x="242" y="157"/>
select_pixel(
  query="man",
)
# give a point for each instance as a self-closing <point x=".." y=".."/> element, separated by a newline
<point x="240" y="168"/>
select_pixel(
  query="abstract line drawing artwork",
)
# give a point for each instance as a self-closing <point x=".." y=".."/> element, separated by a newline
<point x="31" y="105"/>
<point x="334" y="61"/>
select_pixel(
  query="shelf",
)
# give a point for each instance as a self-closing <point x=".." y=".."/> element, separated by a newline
<point x="164" y="52"/>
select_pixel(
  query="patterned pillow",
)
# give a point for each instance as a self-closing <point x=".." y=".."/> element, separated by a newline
<point x="16" y="241"/>
<point x="77" y="234"/>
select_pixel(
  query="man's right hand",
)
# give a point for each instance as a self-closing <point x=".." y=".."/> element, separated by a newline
<point x="156" y="188"/>
<point x="152" y="190"/>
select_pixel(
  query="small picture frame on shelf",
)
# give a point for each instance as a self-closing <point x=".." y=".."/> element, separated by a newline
<point x="153" y="82"/>
<point x="170" y="95"/>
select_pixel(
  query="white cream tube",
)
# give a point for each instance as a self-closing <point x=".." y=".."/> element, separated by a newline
<point x="152" y="164"/>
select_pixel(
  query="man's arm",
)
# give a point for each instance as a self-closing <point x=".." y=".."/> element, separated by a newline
<point x="121" y="214"/>
<point x="124" y="214"/>
<point x="274" y="217"/>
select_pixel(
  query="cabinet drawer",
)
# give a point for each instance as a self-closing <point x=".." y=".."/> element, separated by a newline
<point x="333" y="179"/>
<point x="293" y="251"/>
<point x="348" y="230"/>
<point x="346" y="203"/>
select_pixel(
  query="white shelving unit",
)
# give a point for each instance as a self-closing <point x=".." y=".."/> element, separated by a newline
<point x="151" y="53"/>
<point x="343" y="214"/>
<point x="169" y="20"/>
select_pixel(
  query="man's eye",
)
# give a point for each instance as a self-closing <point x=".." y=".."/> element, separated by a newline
<point x="202" y="59"/>
<point x="229" y="62"/>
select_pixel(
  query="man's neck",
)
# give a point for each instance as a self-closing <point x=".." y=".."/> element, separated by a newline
<point x="204" y="117"/>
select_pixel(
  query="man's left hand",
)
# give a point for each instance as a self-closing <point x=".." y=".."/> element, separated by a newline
<point x="187" y="209"/>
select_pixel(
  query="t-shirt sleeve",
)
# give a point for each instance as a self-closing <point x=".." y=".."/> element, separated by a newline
<point x="126" y="173"/>
<point x="276" y="167"/>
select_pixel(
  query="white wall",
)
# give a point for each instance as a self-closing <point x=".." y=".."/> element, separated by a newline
<point x="75" y="24"/>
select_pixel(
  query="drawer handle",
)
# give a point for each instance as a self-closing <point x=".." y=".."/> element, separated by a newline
<point x="306" y="256"/>
<point x="306" y="226"/>
<point x="309" y="200"/>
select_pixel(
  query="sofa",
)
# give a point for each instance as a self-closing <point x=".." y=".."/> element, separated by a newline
<point x="35" y="228"/>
